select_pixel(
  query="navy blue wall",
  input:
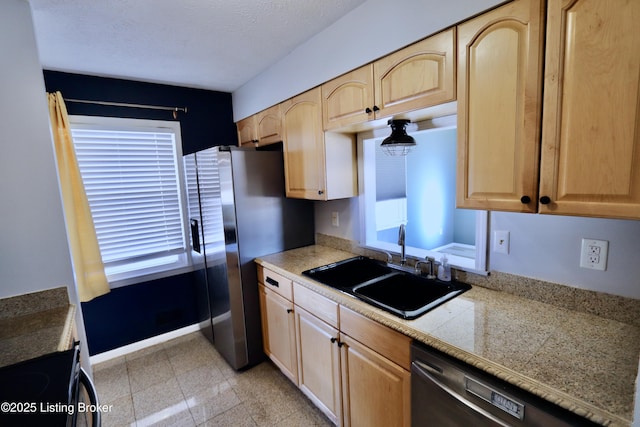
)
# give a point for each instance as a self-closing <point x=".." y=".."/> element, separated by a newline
<point x="136" y="312"/>
<point x="208" y="121"/>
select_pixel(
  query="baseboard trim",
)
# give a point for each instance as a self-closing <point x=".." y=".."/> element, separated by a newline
<point x="139" y="345"/>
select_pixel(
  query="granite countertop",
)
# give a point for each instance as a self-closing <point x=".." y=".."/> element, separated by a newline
<point x="582" y="362"/>
<point x="35" y="324"/>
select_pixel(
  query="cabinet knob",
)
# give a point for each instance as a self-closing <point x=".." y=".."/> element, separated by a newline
<point x="289" y="310"/>
<point x="368" y="110"/>
<point x="545" y="200"/>
<point x="525" y="199"/>
<point x="375" y="108"/>
<point x="320" y="192"/>
<point x="334" y="339"/>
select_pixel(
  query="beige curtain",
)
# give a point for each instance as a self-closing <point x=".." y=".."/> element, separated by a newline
<point x="87" y="262"/>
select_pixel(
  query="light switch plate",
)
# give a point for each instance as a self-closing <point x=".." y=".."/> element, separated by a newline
<point x="501" y="242"/>
<point x="335" y="219"/>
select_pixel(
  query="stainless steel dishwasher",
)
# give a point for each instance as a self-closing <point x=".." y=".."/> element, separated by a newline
<point x="446" y="392"/>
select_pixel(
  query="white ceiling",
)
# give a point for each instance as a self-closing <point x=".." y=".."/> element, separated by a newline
<point x="209" y="44"/>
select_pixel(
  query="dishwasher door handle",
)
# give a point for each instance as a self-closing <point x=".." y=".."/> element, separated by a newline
<point x="423" y="371"/>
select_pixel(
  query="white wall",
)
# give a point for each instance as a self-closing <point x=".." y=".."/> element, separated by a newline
<point x="34" y="252"/>
<point x="368" y="32"/>
<point x="547" y="247"/>
<point x="33" y="241"/>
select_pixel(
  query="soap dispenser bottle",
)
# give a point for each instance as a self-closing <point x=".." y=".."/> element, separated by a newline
<point x="444" y="270"/>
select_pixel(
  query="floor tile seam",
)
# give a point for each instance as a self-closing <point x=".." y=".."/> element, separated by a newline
<point x="173" y="376"/>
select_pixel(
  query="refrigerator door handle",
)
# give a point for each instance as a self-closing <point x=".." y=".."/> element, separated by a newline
<point x="195" y="234"/>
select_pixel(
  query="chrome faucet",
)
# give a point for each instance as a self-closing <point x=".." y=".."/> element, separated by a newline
<point x="432" y="266"/>
<point x="403" y="257"/>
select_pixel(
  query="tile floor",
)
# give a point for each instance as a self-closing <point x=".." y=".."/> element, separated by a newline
<point x="185" y="382"/>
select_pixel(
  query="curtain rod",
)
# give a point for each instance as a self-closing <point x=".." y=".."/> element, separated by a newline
<point x="121" y="104"/>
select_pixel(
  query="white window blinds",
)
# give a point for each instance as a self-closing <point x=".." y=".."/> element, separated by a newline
<point x="131" y="181"/>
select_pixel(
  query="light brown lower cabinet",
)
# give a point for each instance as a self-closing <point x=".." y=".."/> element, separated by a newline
<point x="278" y="332"/>
<point x="355" y="370"/>
<point x="375" y="391"/>
<point x="319" y="364"/>
<point x="376" y="378"/>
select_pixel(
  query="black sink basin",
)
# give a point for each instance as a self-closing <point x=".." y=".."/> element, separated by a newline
<point x="404" y="294"/>
<point x="348" y="273"/>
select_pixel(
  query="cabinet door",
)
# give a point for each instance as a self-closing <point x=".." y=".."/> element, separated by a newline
<point x="319" y="364"/>
<point x="278" y="331"/>
<point x="499" y="94"/>
<point x="269" y="124"/>
<point x="247" y="132"/>
<point x="304" y="159"/>
<point x="376" y="391"/>
<point x="418" y="76"/>
<point x="348" y="99"/>
<point x="591" y="126"/>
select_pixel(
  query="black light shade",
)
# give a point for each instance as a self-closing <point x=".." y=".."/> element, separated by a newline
<point x="398" y="143"/>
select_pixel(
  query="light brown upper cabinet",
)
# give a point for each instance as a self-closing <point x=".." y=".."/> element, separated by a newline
<point x="499" y="114"/>
<point x="590" y="160"/>
<point x="247" y="131"/>
<point x="269" y="125"/>
<point x="263" y="128"/>
<point x="318" y="165"/>
<point x="419" y="76"/>
<point x="348" y="99"/>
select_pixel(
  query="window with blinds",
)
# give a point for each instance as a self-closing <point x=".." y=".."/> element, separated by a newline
<point x="132" y="178"/>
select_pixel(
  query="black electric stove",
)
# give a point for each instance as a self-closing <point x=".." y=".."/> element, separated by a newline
<point x="41" y="391"/>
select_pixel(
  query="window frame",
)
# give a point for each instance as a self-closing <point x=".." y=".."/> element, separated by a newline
<point x="478" y="265"/>
<point x="159" y="266"/>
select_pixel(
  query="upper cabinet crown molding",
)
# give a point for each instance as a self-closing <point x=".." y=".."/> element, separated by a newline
<point x="499" y="98"/>
<point x="590" y="160"/>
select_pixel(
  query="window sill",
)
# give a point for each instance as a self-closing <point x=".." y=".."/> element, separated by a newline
<point x="173" y="265"/>
<point x="458" y="262"/>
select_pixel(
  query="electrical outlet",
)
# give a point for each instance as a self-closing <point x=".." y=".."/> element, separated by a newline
<point x="593" y="254"/>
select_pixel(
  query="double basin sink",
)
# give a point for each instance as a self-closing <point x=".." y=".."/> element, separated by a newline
<point x="387" y="287"/>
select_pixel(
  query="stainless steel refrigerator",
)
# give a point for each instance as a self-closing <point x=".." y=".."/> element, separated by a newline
<point x="238" y="212"/>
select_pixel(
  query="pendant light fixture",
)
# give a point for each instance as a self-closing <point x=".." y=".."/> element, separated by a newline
<point x="398" y="143"/>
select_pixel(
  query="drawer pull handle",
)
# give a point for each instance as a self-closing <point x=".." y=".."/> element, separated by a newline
<point x="289" y="310"/>
<point x="272" y="282"/>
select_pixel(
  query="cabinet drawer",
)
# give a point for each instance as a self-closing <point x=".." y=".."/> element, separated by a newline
<point x="316" y="304"/>
<point x="275" y="282"/>
<point x="389" y="343"/>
